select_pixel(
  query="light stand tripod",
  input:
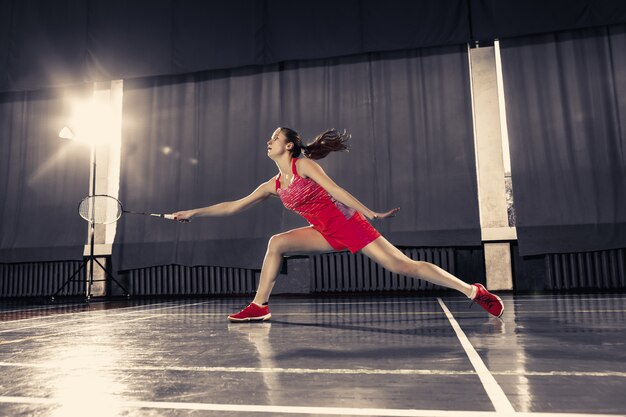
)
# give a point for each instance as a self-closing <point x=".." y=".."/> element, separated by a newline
<point x="88" y="262"/>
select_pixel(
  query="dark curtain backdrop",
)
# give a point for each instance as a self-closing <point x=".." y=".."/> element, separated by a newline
<point x="47" y="43"/>
<point x="42" y="179"/>
<point x="566" y="113"/>
<point x="50" y="43"/>
<point x="497" y="19"/>
<point x="197" y="140"/>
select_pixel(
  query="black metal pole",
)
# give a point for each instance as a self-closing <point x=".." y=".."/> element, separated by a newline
<point x="93" y="224"/>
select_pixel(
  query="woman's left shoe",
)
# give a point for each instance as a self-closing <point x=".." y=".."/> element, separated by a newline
<point x="252" y="312"/>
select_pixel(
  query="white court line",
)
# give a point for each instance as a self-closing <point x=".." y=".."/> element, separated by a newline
<point x="329" y="371"/>
<point x="225" y="313"/>
<point x="454" y="299"/>
<point x="285" y="314"/>
<point x="562" y="373"/>
<point x="569" y="311"/>
<point x="574" y="296"/>
<point x="389" y="313"/>
<point x="94" y="317"/>
<point x="47" y="307"/>
<point x="341" y="411"/>
<point x="321" y="303"/>
<point x="53" y="306"/>
<point x="125" y="310"/>
<point x="44" y="325"/>
<point x="81" y="329"/>
<point x="319" y="313"/>
<point x="522" y="312"/>
<point x="233" y="369"/>
<point x="51" y="316"/>
<point x="500" y="402"/>
<point x="521" y="299"/>
<point x="325" y="303"/>
<point x="408" y="300"/>
<point x="98" y="316"/>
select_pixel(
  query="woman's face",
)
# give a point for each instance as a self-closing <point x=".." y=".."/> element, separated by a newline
<point x="277" y="145"/>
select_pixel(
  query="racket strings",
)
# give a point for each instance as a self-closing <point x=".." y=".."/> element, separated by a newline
<point x="100" y="209"/>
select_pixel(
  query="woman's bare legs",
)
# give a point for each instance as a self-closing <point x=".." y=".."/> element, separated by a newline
<point x="305" y="239"/>
<point x="392" y="259"/>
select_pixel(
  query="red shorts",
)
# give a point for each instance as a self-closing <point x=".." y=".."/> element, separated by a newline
<point x="353" y="234"/>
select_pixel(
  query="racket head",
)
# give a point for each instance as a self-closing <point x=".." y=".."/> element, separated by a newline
<point x="100" y="209"/>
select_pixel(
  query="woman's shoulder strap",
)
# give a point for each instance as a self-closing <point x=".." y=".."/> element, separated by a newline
<point x="278" y="181"/>
<point x="293" y="166"/>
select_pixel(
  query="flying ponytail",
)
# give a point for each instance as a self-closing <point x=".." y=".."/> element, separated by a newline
<point x="325" y="143"/>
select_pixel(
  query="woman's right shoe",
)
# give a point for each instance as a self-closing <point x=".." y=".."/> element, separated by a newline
<point x="490" y="302"/>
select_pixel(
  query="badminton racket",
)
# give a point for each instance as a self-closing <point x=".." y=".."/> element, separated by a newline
<point x="105" y="209"/>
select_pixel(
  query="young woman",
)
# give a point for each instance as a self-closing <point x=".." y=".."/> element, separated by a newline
<point x="337" y="222"/>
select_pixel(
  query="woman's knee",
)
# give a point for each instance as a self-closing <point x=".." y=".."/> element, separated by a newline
<point x="276" y="244"/>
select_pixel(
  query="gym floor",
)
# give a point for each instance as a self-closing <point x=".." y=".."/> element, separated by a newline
<point x="422" y="355"/>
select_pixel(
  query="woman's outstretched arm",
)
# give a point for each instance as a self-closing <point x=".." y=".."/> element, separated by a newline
<point x="229" y="208"/>
<point x="310" y="169"/>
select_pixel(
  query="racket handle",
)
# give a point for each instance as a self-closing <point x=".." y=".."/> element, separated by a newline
<point x="171" y="217"/>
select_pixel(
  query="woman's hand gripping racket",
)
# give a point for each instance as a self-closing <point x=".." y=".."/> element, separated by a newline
<point x="104" y="209"/>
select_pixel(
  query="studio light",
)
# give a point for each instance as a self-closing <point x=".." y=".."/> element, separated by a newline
<point x="91" y="124"/>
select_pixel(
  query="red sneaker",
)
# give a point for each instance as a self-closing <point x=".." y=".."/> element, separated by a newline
<point x="490" y="302"/>
<point x="252" y="312"/>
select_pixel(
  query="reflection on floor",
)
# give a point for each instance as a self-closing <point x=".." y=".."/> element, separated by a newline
<point x="383" y="356"/>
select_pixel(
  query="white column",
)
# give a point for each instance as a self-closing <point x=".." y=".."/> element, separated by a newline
<point x="490" y="169"/>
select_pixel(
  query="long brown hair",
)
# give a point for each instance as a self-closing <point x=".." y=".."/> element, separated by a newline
<point x="323" y="144"/>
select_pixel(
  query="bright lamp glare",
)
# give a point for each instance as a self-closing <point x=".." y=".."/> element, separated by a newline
<point x="91" y="122"/>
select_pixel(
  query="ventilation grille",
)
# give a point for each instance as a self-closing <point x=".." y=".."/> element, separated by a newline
<point x="597" y="270"/>
<point x="184" y="280"/>
<point x="335" y="272"/>
<point x="344" y="272"/>
<point x="40" y="279"/>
